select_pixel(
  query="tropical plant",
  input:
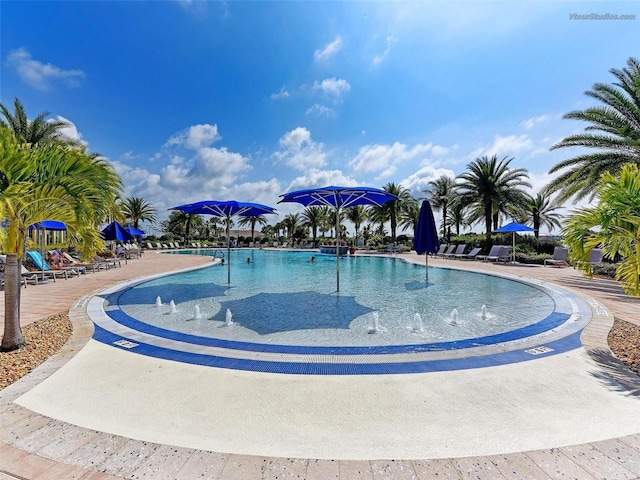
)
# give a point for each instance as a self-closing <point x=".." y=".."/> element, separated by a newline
<point x="409" y="214"/>
<point x="540" y="211"/>
<point x="488" y="186"/>
<point x="613" y="136"/>
<point x="48" y="181"/>
<point x="36" y="131"/>
<point x="290" y="222"/>
<point x="613" y="225"/>
<point x="136" y="210"/>
<point x="442" y="194"/>
<point x="390" y="211"/>
<point x="356" y="215"/>
<point x="457" y="215"/>
<point x="181" y="224"/>
<point x="252" y="221"/>
<point x="314" y="217"/>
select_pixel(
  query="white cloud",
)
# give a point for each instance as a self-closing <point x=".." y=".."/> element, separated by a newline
<point x="333" y="87"/>
<point x="529" y="123"/>
<point x="385" y="158"/>
<point x="195" y="137"/>
<point x="329" y="50"/>
<point x="378" y="59"/>
<point x="505" y="146"/>
<point x="320" y="111"/>
<point x="71" y="131"/>
<point x="299" y="151"/>
<point x="281" y="94"/>
<point x="40" y="75"/>
<point x="418" y="182"/>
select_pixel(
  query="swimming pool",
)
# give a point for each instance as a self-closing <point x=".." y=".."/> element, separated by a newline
<point x="287" y="317"/>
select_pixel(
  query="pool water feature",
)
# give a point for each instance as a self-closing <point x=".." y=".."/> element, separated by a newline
<point x="285" y="306"/>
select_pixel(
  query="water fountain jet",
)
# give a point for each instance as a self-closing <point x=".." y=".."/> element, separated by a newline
<point x="417" y="323"/>
<point x="172" y="305"/>
<point x="228" y="318"/>
<point x="197" y="313"/>
<point x="158" y="301"/>
<point x="453" y="320"/>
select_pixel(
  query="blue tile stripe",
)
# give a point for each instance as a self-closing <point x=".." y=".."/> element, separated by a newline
<point x="565" y="344"/>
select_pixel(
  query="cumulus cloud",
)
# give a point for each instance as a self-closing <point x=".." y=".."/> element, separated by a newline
<point x="42" y="76"/>
<point x="195" y="137"/>
<point x="332" y="87"/>
<point x="418" y="182"/>
<point x="385" y="158"/>
<point x="510" y="145"/>
<point x="71" y="131"/>
<point x="320" y="111"/>
<point x="530" y="122"/>
<point x="328" y="51"/>
<point x="299" y="151"/>
<point x="281" y="94"/>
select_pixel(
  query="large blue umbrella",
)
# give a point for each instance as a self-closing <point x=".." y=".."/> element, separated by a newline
<point x="514" y="227"/>
<point x="115" y="231"/>
<point x="225" y="209"/>
<point x="425" y="240"/>
<point x="339" y="198"/>
<point x="48" y="225"/>
<point x="135" y="232"/>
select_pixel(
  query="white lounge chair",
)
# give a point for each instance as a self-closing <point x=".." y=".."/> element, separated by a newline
<point x="448" y="251"/>
<point x="495" y="250"/>
<point x="458" y="251"/>
<point x="469" y="256"/>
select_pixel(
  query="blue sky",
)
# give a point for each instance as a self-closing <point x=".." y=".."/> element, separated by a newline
<point x="248" y="100"/>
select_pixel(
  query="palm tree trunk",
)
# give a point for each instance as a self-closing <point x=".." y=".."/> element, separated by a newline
<point x="12" y="338"/>
<point x="488" y="211"/>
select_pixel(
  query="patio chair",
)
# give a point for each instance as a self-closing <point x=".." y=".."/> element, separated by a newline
<point x="45" y="269"/>
<point x="493" y="253"/>
<point x="560" y="257"/>
<point x="441" y="250"/>
<point x="469" y="256"/>
<point x="502" y="256"/>
<point x="458" y="251"/>
<point x="448" y="251"/>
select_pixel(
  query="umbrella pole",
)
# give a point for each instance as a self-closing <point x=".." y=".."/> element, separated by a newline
<point x="228" y="251"/>
<point x="513" y="253"/>
<point x="426" y="262"/>
<point x="337" y="248"/>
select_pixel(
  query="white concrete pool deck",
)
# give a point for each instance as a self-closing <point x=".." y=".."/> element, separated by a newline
<point x="102" y="409"/>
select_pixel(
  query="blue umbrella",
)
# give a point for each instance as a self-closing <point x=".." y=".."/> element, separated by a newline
<point x="425" y="240"/>
<point x="339" y="197"/>
<point x="48" y="225"/>
<point x="225" y="209"/>
<point x="135" y="232"/>
<point x="115" y="231"/>
<point x="514" y="227"/>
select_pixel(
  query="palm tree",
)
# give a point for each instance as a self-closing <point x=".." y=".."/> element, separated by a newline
<point x="613" y="225"/>
<point x="313" y="217"/>
<point x="253" y="220"/>
<point x="441" y="195"/>
<point x="390" y="211"/>
<point x="457" y="215"/>
<point x="356" y="215"/>
<point x="539" y="212"/>
<point x="290" y="222"/>
<point x="613" y="131"/>
<point x="488" y="185"/>
<point x="36" y="131"/>
<point x="408" y="218"/>
<point x="48" y="181"/>
<point x="137" y="210"/>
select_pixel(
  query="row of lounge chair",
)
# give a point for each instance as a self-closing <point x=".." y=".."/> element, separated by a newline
<point x="498" y="253"/>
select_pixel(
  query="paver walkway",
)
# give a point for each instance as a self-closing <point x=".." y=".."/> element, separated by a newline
<point x="36" y="447"/>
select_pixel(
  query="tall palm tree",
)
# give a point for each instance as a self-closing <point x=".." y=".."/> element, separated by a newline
<point x="390" y="211"/>
<point x="409" y="215"/>
<point x="613" y="225"/>
<point x="313" y="217"/>
<point x="136" y="210"/>
<point x="457" y="215"/>
<point x="357" y="215"/>
<point x="488" y="184"/>
<point x="290" y="222"/>
<point x="252" y="221"/>
<point x="441" y="193"/>
<point x="36" y="131"/>
<point x="613" y="134"/>
<point x="540" y="211"/>
<point x="48" y="181"/>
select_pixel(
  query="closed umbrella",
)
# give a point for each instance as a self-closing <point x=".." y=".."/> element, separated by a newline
<point x="514" y="227"/>
<point x="115" y="231"/>
<point x="425" y="240"/>
<point x="225" y="209"/>
<point x="339" y="198"/>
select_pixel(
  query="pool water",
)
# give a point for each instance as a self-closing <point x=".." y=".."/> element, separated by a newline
<point x="282" y="298"/>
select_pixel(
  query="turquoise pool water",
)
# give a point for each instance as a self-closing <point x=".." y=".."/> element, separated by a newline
<point x="282" y="298"/>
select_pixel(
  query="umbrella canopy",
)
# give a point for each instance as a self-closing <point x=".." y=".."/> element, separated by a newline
<point x="339" y="198"/>
<point x="514" y="227"/>
<point x="115" y="231"/>
<point x="425" y="240"/>
<point x="225" y="209"/>
<point x="135" y="232"/>
<point x="48" y="225"/>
